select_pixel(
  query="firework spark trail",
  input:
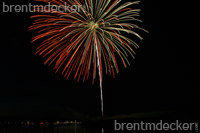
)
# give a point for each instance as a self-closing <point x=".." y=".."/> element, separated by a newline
<point x="102" y="111"/>
<point x="100" y="82"/>
<point x="69" y="43"/>
<point x="100" y="78"/>
<point x="84" y="41"/>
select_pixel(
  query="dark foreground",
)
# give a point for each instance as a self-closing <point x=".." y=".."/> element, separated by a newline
<point x="99" y="124"/>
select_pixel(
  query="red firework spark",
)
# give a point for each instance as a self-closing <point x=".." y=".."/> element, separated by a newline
<point x="86" y="40"/>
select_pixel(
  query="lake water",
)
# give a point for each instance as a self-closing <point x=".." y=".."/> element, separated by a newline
<point x="49" y="128"/>
<point x="62" y="128"/>
<point x="55" y="129"/>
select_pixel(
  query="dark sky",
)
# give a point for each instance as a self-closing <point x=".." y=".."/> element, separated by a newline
<point x="160" y="78"/>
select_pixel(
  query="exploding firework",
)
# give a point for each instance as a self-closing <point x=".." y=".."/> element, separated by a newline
<point x="87" y="41"/>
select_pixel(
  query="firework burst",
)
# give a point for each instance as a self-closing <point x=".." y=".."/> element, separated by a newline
<point x="88" y="40"/>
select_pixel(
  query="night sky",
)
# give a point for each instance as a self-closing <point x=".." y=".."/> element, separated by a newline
<point x="160" y="78"/>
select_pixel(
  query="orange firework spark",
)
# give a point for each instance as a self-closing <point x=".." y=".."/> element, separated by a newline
<point x="88" y="39"/>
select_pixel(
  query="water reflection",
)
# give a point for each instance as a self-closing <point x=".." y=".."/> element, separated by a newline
<point x="47" y="127"/>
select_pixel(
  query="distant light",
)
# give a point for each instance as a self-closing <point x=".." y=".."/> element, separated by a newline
<point x="41" y="123"/>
